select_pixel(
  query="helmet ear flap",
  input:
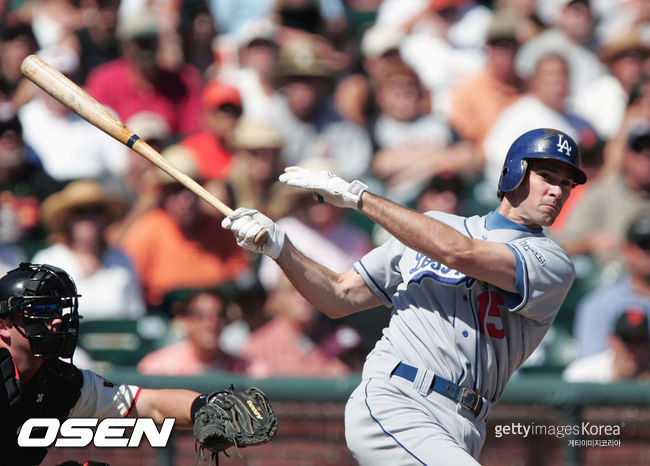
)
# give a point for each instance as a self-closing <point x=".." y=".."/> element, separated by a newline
<point x="524" y="168"/>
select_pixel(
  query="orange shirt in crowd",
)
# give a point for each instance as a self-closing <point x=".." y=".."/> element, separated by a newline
<point x="476" y="103"/>
<point x="211" y="157"/>
<point x="165" y="259"/>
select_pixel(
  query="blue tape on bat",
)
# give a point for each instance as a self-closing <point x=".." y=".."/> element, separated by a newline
<point x="132" y="140"/>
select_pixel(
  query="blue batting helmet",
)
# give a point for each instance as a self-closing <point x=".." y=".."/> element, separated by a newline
<point x="540" y="143"/>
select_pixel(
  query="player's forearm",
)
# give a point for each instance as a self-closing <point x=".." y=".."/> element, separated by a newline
<point x="159" y="404"/>
<point x="334" y="294"/>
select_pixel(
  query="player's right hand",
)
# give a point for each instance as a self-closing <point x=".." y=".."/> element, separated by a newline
<point x="246" y="224"/>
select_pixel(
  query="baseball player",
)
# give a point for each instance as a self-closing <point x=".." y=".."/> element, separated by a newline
<point x="39" y="323"/>
<point x="471" y="298"/>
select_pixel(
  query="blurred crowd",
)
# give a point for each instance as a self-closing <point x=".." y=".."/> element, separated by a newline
<point x="420" y="99"/>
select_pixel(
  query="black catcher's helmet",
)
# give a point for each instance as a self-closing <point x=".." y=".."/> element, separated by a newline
<point x="40" y="293"/>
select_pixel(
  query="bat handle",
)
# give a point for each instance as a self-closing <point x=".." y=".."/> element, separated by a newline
<point x="261" y="237"/>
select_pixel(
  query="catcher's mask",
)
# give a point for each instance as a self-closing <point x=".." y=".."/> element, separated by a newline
<point x="42" y="299"/>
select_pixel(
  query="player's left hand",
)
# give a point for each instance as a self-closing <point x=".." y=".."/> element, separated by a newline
<point x="325" y="185"/>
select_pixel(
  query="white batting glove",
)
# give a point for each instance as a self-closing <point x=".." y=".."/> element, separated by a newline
<point x="246" y="224"/>
<point x="325" y="186"/>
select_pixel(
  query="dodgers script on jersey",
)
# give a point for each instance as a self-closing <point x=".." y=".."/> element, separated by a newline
<point x="484" y="332"/>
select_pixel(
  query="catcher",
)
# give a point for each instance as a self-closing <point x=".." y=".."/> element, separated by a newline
<point x="39" y="324"/>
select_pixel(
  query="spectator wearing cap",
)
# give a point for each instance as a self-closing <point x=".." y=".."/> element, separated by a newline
<point x="221" y="107"/>
<point x="305" y="115"/>
<point x="597" y="312"/>
<point x="23" y="185"/>
<point x="251" y="70"/>
<point x="68" y="146"/>
<point x="354" y="93"/>
<point x="570" y="35"/>
<point x="178" y="244"/>
<point x="77" y="218"/>
<point x="626" y="357"/>
<point x="200" y="316"/>
<point x="624" y="56"/>
<point x="597" y="225"/>
<point x="498" y="85"/>
<point x="257" y="162"/>
<point x="136" y="81"/>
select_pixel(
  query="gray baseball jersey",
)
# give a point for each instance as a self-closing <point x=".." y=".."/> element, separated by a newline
<point x="453" y="326"/>
<point x="463" y="329"/>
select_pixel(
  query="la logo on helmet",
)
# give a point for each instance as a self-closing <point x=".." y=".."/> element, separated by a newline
<point x="563" y="145"/>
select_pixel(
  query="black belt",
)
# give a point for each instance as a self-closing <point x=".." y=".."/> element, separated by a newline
<point x="466" y="397"/>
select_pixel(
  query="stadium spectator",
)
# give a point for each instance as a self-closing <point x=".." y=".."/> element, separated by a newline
<point x="51" y="20"/>
<point x="16" y="42"/>
<point x="252" y="66"/>
<point x="413" y="142"/>
<point x="444" y="42"/>
<point x="221" y="107"/>
<point x="77" y="217"/>
<point x="638" y="109"/>
<point x="282" y="347"/>
<point x="199" y="315"/>
<point x="627" y="355"/>
<point x="305" y="116"/>
<point x="136" y="82"/>
<point x="48" y="126"/>
<point x="354" y="93"/>
<point x="96" y="40"/>
<point x="570" y="35"/>
<point x="497" y="84"/>
<point x="597" y="225"/>
<point x="23" y="185"/>
<point x="624" y="57"/>
<point x="138" y="184"/>
<point x="257" y="162"/>
<point x="177" y="244"/>
<point x="597" y="312"/>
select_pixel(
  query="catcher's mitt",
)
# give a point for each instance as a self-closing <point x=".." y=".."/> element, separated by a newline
<point x="234" y="418"/>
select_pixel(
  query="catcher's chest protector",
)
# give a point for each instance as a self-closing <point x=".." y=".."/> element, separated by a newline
<point x="50" y="396"/>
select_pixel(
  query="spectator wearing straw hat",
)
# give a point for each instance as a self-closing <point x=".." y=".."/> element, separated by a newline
<point x="78" y="217"/>
<point x="305" y="115"/>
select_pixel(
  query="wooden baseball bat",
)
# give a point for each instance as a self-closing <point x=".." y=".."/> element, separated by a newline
<point x="84" y="105"/>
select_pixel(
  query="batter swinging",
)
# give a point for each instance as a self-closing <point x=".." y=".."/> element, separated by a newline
<point x="471" y="299"/>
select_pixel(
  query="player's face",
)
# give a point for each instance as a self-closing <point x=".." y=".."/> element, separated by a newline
<point x="544" y="191"/>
